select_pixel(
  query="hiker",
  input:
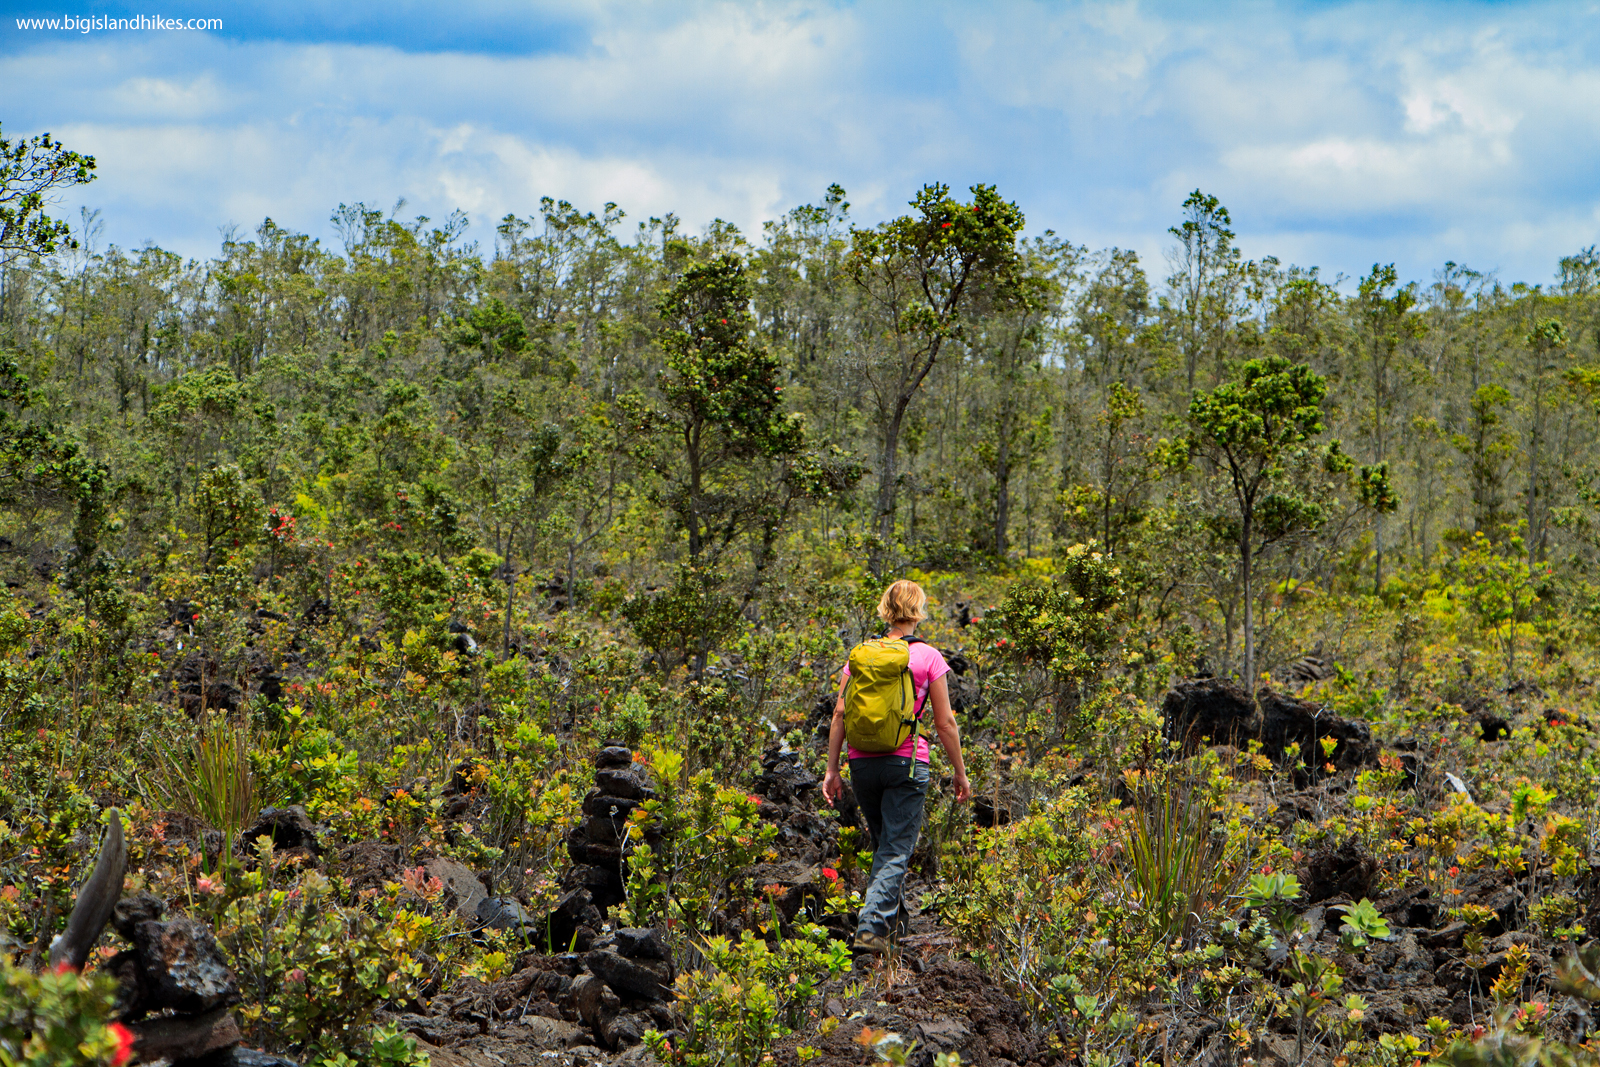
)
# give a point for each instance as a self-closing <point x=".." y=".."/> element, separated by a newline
<point x="891" y="776"/>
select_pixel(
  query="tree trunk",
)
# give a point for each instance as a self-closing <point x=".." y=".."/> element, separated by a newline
<point x="572" y="576"/>
<point x="692" y="448"/>
<point x="887" y="486"/>
<point x="511" y="596"/>
<point x="1377" y="432"/>
<point x="1002" y="497"/>
<point x="1249" y="606"/>
<point x="1535" y="445"/>
<point x="1377" y="544"/>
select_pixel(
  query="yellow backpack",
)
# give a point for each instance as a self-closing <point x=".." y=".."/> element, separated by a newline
<point x="880" y="698"/>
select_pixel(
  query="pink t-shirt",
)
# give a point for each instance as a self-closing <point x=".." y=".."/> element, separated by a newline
<point x="926" y="666"/>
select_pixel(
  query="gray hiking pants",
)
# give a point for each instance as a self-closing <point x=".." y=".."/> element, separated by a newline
<point x="890" y="794"/>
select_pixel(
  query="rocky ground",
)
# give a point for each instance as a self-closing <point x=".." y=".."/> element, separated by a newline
<point x="592" y="1006"/>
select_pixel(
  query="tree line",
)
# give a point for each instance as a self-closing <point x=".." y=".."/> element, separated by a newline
<point x="590" y="400"/>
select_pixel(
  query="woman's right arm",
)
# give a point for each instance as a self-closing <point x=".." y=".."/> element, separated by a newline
<point x="832" y="784"/>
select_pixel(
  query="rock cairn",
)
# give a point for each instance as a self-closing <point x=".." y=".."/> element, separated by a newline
<point x="610" y="986"/>
<point x="177" y="972"/>
<point x="600" y="843"/>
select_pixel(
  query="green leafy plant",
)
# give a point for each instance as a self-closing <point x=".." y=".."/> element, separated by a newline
<point x="58" y="1019"/>
<point x="312" y="765"/>
<point x="1056" y="640"/>
<point x="315" y="970"/>
<point x="708" y="836"/>
<point x="1272" y="895"/>
<point x="1315" y="982"/>
<point x="212" y="778"/>
<point x="749" y="995"/>
<point x="1362" y="924"/>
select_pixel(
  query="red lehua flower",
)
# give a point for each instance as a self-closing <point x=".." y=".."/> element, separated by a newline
<point x="830" y="874"/>
<point x="723" y="321"/>
<point x="754" y="799"/>
<point x="944" y="225"/>
<point x="124" y="1051"/>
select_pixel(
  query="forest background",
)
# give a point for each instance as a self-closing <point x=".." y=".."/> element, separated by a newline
<point x="607" y="409"/>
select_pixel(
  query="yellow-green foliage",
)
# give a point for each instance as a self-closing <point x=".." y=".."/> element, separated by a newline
<point x="316" y="963"/>
<point x="58" y="1019"/>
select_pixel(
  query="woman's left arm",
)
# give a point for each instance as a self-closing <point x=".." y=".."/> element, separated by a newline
<point x="944" y="724"/>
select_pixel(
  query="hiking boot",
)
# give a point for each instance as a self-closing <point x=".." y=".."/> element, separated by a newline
<point x="867" y="941"/>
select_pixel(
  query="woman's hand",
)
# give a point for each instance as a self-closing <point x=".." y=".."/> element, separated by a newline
<point x="963" y="787"/>
<point x="832" y="786"/>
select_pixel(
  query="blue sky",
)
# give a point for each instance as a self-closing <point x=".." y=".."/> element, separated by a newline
<point x="1338" y="135"/>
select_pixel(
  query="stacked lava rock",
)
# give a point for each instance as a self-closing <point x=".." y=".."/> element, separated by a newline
<point x="600" y="843"/>
<point x="176" y="971"/>
<point x="805" y="841"/>
<point x="628" y="989"/>
<point x="786" y="789"/>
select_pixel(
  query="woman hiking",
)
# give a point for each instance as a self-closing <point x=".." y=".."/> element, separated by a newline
<point x="891" y="785"/>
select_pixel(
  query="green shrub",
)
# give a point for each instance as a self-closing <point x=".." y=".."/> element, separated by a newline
<point x="212" y="778"/>
<point x="58" y="1019"/>
<point x="1178" y="858"/>
<point x="710" y="835"/>
<point x="314" y="970"/>
<point x="750" y="995"/>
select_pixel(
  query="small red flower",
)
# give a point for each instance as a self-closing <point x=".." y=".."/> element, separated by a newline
<point x="723" y="321"/>
<point x="124" y="1051"/>
<point x="944" y="225"/>
<point x="830" y="874"/>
